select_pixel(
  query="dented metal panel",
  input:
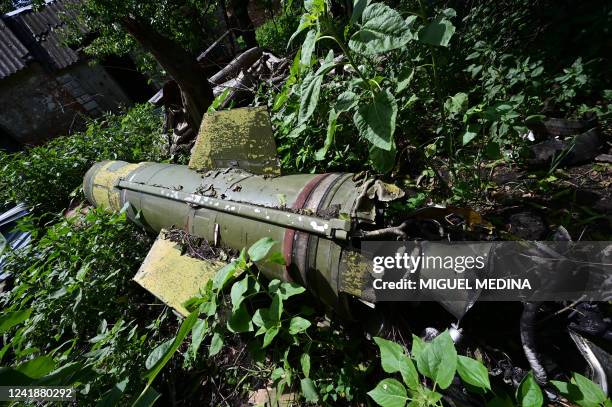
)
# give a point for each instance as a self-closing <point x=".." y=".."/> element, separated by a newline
<point x="173" y="277"/>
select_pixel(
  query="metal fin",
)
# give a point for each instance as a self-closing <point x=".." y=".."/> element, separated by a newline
<point x="172" y="277"/>
<point x="240" y="138"/>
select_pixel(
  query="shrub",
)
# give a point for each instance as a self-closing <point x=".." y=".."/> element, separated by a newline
<point x="274" y="34"/>
<point x="47" y="176"/>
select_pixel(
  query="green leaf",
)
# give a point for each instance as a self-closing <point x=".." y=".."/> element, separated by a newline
<point x="382" y="160"/>
<point x="298" y="324"/>
<point x="439" y="32"/>
<point x="383" y="29"/>
<point x="404" y="79"/>
<point x="259" y="250"/>
<point x="270" y="335"/>
<point x="305" y="363"/>
<point x="308" y="47"/>
<point x="111" y="397"/>
<point x="470" y="133"/>
<point x="329" y="139"/>
<point x="158" y="353"/>
<point x="216" y="344"/>
<point x="239" y="288"/>
<point x="276" y="258"/>
<point x="591" y="394"/>
<point x="376" y="120"/>
<point x="185" y="328"/>
<point x="224" y="275"/>
<point x="38" y="367"/>
<point x="529" y="394"/>
<point x="456" y="104"/>
<point x="417" y="346"/>
<point x="389" y="393"/>
<point x="240" y="321"/>
<point x="438" y="360"/>
<point x="147" y="398"/>
<point x="310" y="91"/>
<point x="393" y="359"/>
<point x="13" y="318"/>
<point x="305" y="23"/>
<point x="197" y="336"/>
<point x="358" y="7"/>
<point x="284" y="289"/>
<point x="308" y="390"/>
<point x="12" y="377"/>
<point x="473" y="372"/>
<point x="346" y="101"/>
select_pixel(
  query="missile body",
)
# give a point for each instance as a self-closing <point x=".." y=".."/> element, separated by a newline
<point x="311" y="216"/>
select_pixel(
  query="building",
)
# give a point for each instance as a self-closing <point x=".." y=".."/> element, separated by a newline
<point x="48" y="89"/>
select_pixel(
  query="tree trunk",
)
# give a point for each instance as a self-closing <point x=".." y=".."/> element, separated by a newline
<point x="240" y="9"/>
<point x="196" y="92"/>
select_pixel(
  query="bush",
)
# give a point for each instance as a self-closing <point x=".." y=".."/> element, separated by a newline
<point x="274" y="34"/>
<point x="47" y="176"/>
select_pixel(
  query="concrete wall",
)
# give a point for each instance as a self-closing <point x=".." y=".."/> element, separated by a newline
<point x="36" y="105"/>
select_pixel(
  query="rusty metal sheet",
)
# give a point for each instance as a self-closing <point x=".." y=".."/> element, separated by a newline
<point x="172" y="277"/>
<point x="239" y="138"/>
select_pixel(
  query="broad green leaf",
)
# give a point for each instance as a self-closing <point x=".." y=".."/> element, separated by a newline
<point x="417" y="346"/>
<point x="276" y="258"/>
<point x="358" y="7"/>
<point x="438" y="360"/>
<point x="270" y="335"/>
<point x="216" y="344"/>
<point x="382" y="29"/>
<point x="383" y="160"/>
<point x="259" y="250"/>
<point x="308" y="47"/>
<point x="239" y="288"/>
<point x="308" y="390"/>
<point x="224" y="275"/>
<point x="305" y="23"/>
<point x="393" y="359"/>
<point x="178" y="340"/>
<point x="298" y="324"/>
<point x="405" y="78"/>
<point x="473" y="372"/>
<point x="305" y="363"/>
<point x="591" y="394"/>
<point x="346" y="101"/>
<point x="147" y="398"/>
<point x="456" y="104"/>
<point x="38" y="367"/>
<point x="240" y="321"/>
<point x="158" y="353"/>
<point x="327" y="65"/>
<point x="12" y="377"/>
<point x="389" y="393"/>
<point x="284" y="289"/>
<point x="13" y="318"/>
<point x="470" y="133"/>
<point x="2" y="243"/>
<point x="376" y="120"/>
<point x="439" y="32"/>
<point x="111" y="397"/>
<point x="310" y="91"/>
<point x="197" y="336"/>
<point x="529" y="393"/>
<point x="329" y="139"/>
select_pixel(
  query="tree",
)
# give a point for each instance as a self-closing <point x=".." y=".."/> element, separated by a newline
<point x="172" y="31"/>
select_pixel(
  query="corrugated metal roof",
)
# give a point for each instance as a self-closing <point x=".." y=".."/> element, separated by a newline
<point x="13" y="54"/>
<point x="40" y="30"/>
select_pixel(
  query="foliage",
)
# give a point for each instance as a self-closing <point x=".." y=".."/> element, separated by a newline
<point x="73" y="304"/>
<point x="274" y="34"/>
<point x="60" y="164"/>
<point x="437" y="362"/>
<point x="448" y="91"/>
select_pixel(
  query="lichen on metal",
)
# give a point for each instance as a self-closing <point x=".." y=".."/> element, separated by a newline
<point x="104" y="190"/>
<point x="239" y="138"/>
<point x="173" y="277"/>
